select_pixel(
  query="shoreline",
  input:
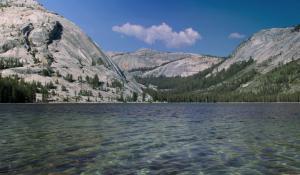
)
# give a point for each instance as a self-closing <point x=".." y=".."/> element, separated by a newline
<point x="74" y="103"/>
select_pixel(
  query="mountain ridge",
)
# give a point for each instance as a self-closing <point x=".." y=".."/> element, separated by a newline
<point x="149" y="62"/>
<point x="51" y="49"/>
<point x="268" y="46"/>
<point x="41" y="46"/>
<point x="264" y="68"/>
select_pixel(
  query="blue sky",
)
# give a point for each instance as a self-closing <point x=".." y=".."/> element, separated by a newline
<point x="212" y="27"/>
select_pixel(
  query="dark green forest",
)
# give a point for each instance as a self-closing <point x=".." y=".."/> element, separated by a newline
<point x="239" y="83"/>
<point x="15" y="90"/>
<point x="6" y="63"/>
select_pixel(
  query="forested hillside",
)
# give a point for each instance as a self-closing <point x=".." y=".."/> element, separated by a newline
<point x="15" y="90"/>
<point x="264" y="68"/>
<point x="241" y="82"/>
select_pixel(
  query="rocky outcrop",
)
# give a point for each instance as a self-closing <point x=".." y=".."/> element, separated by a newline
<point x="269" y="48"/>
<point x="151" y="63"/>
<point x="44" y="41"/>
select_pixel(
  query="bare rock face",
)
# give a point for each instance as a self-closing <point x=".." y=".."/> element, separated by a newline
<point x="269" y="48"/>
<point x="22" y="3"/>
<point x="151" y="63"/>
<point x="42" y="40"/>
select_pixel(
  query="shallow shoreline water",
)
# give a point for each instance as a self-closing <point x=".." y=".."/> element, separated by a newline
<point x="164" y="138"/>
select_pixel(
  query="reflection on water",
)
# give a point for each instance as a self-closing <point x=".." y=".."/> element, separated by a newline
<point x="112" y="139"/>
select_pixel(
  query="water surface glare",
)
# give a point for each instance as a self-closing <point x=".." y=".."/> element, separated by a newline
<point x="142" y="139"/>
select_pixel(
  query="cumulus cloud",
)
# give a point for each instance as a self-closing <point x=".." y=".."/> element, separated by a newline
<point x="236" y="35"/>
<point x="163" y="33"/>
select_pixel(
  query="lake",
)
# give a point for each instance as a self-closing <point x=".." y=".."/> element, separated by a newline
<point x="141" y="139"/>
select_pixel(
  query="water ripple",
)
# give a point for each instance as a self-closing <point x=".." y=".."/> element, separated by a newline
<point x="104" y="139"/>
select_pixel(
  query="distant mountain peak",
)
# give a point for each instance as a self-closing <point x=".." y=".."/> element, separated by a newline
<point x="21" y="3"/>
<point x="152" y="63"/>
<point x="146" y="50"/>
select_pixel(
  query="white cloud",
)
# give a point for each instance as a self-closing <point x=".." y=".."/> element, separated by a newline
<point x="236" y="35"/>
<point x="163" y="33"/>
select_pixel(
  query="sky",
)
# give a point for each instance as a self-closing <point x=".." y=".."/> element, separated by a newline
<point x="213" y="27"/>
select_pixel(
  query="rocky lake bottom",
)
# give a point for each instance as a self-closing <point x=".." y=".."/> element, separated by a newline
<point x="142" y="139"/>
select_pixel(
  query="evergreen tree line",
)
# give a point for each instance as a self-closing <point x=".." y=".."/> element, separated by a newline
<point x="94" y="82"/>
<point x="226" y="85"/>
<point x="15" y="90"/>
<point x="6" y="63"/>
<point x="198" y="81"/>
<point x="142" y="69"/>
